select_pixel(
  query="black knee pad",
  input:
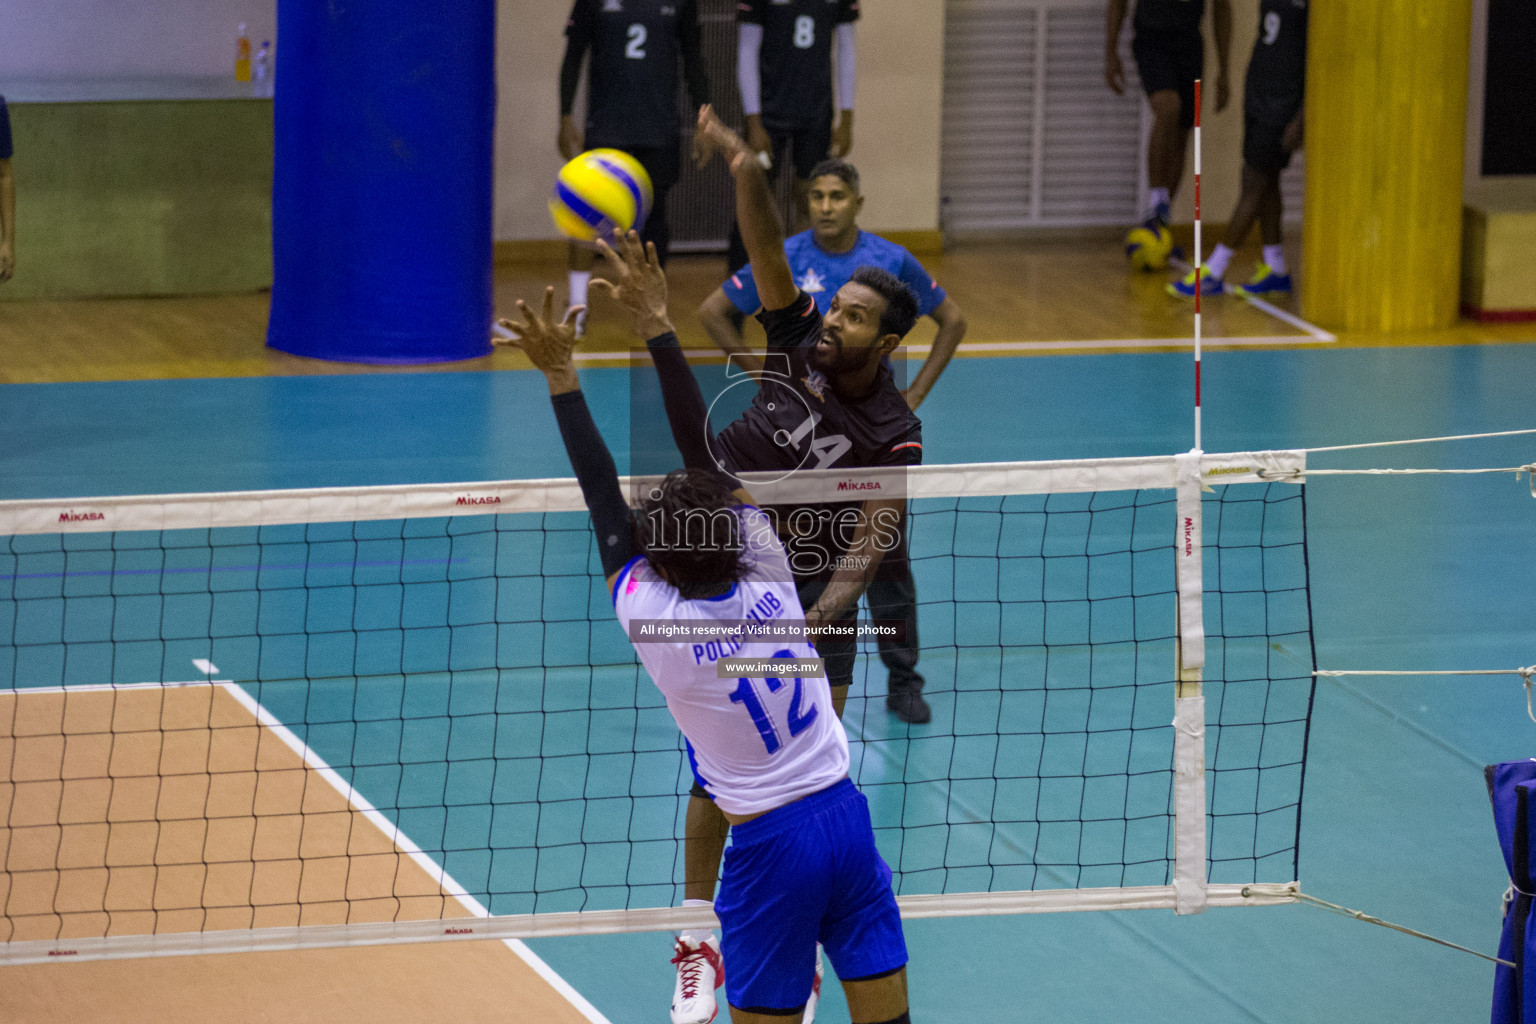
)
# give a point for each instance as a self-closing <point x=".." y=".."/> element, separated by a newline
<point x="905" y="1018"/>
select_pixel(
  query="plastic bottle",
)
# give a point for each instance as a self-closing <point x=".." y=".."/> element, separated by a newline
<point x="263" y="86"/>
<point x="242" y="56"/>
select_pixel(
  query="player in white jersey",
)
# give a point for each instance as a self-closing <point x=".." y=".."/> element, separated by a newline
<point x="803" y="866"/>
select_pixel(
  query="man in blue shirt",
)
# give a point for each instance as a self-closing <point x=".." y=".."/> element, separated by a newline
<point x="822" y="260"/>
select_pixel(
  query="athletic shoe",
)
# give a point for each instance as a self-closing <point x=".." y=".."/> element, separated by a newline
<point x="699" y="973"/>
<point x="1184" y="287"/>
<point x="1265" y="282"/>
<point x="810" y="1004"/>
<point x="909" y="706"/>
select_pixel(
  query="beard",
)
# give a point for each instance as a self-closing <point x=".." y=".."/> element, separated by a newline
<point x="835" y="358"/>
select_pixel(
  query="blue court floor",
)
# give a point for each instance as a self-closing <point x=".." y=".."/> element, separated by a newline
<point x="1415" y="572"/>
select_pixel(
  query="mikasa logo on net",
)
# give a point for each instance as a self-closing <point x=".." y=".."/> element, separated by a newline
<point x="82" y="517"/>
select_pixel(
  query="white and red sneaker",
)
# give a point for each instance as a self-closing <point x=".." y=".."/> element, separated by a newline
<point x="699" y="973"/>
<point x="810" y="1004"/>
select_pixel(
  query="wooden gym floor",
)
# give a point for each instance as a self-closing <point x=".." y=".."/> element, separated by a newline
<point x="1044" y="297"/>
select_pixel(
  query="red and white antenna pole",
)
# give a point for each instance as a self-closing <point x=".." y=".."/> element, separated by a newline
<point x="1199" y="282"/>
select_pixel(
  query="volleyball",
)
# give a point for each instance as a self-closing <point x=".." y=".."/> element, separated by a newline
<point x="1148" y="247"/>
<point x="601" y="193"/>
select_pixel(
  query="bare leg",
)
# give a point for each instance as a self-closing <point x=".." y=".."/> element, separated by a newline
<point x="1250" y="205"/>
<point x="703" y="846"/>
<point x="882" y="999"/>
<point x="1165" y="148"/>
<point x="869" y="1002"/>
<point x="1271" y="208"/>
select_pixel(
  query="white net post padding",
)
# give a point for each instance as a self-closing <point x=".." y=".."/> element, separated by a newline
<point x="1189" y="880"/>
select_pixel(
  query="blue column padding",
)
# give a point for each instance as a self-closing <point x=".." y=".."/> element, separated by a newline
<point x="382" y="182"/>
<point x="1509" y="788"/>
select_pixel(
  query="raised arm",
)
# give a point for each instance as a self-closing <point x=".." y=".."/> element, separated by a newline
<point x="639" y="285"/>
<point x="756" y="213"/>
<point x="548" y="345"/>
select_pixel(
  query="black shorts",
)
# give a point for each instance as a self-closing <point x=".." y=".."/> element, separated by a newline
<point x="662" y="163"/>
<point x="807" y="144"/>
<point x="1171" y="62"/>
<point x="1263" y="146"/>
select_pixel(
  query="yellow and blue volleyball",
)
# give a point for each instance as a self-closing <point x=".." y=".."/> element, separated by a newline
<point x="600" y="194"/>
<point x="1148" y="248"/>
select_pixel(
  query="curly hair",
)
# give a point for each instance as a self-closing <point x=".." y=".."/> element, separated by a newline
<point x="692" y="534"/>
<point x="900" y="312"/>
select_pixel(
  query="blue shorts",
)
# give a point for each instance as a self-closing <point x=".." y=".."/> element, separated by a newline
<point x="802" y="873"/>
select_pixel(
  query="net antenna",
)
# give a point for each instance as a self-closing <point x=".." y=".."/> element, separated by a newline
<point x="1199" y="256"/>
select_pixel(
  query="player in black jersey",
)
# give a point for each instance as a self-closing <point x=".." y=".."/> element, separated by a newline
<point x="784" y="67"/>
<point x="1272" y="129"/>
<point x="831" y="402"/>
<point x="636" y="46"/>
<point x="1170" y="55"/>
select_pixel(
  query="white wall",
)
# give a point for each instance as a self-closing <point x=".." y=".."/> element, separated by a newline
<point x="896" y="126"/>
<point x="896" y="138"/>
<point x="51" y="39"/>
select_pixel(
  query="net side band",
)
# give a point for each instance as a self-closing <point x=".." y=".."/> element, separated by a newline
<point x="356" y="504"/>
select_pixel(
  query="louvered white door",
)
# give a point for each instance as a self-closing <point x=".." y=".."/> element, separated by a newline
<point x="1032" y="137"/>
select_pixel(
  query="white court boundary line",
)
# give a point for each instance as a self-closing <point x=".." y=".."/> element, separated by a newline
<point x="357" y="802"/>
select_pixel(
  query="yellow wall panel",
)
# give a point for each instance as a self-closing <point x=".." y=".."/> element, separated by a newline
<point x="1386" y="129"/>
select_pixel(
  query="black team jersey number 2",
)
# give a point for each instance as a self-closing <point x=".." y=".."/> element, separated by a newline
<point x="636" y="46"/>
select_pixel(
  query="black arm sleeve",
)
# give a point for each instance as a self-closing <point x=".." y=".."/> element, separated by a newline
<point x="693" y="56"/>
<point x="599" y="480"/>
<point x="686" y="411"/>
<point x="578" y="38"/>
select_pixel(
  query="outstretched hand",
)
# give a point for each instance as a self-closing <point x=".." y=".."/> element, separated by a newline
<point x="638" y="284"/>
<point x="712" y="136"/>
<point x="545" y="341"/>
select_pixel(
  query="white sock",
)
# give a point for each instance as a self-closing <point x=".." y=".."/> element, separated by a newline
<point x="1274" y="258"/>
<point x="1156" y="197"/>
<point x="695" y="938"/>
<point x="577" y="288"/>
<point x="1216" y="266"/>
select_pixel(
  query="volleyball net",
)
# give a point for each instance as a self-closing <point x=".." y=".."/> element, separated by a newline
<point x="322" y="717"/>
